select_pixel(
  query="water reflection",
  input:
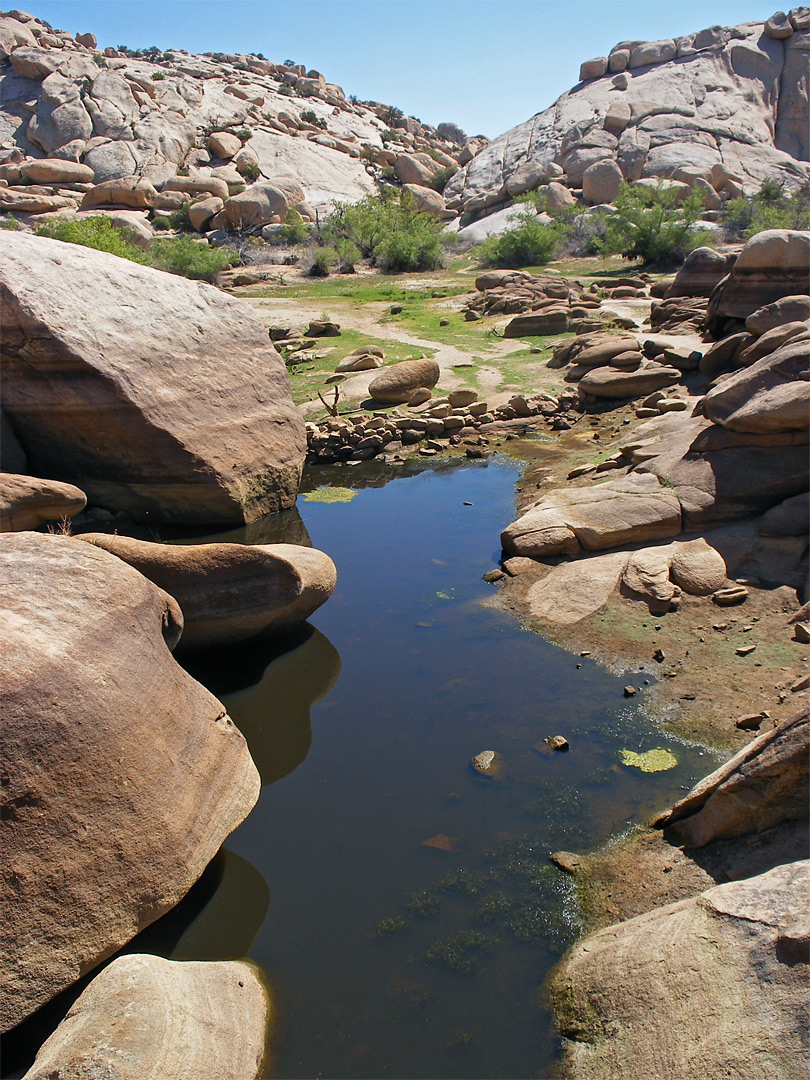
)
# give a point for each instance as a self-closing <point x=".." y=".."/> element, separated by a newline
<point x="271" y="687"/>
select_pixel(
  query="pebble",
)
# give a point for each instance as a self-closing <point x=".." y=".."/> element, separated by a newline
<point x="557" y="742"/>
<point x="745" y="650"/>
<point x="630" y="691"/>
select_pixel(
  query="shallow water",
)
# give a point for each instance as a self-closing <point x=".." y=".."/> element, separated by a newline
<point x="363" y="728"/>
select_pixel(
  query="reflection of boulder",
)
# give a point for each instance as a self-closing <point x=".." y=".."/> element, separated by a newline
<point x="219" y="919"/>
<point x="273" y="715"/>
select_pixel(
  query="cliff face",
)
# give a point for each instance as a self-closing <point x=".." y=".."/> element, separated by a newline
<point x="730" y="96"/>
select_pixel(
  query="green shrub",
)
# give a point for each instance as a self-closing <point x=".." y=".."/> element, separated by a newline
<point x="654" y="224"/>
<point x="309" y="116"/>
<point x="251" y="170"/>
<point x="190" y="258"/>
<point x="530" y="243"/>
<point x="178" y="255"/>
<point x="179" y="219"/>
<point x="322" y="262"/>
<point x="442" y="177"/>
<point x="95" y="232"/>
<point x="243" y="135"/>
<point x="389" y="231"/>
<point x="294" y="230"/>
<point x="285" y="89"/>
<point x="10" y="223"/>
<point x="770" y="208"/>
<point x="348" y="256"/>
<point x="388" y="136"/>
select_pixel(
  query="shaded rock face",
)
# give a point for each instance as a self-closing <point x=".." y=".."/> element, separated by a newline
<point x="731" y="97"/>
<point x="124" y="774"/>
<point x="772" y="264"/>
<point x="765" y="783"/>
<point x="27" y="502"/>
<point x="717" y="966"/>
<point x="153" y="394"/>
<point x="146" y="1016"/>
<point x="230" y="592"/>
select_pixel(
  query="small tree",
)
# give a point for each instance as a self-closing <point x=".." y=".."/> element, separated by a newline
<point x="388" y="230"/>
<point x="529" y="243"/>
<point x="654" y="224"/>
<point x="770" y="208"/>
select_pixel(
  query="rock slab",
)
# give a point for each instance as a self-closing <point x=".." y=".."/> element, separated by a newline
<point x="125" y="774"/>
<point x="153" y="394"/>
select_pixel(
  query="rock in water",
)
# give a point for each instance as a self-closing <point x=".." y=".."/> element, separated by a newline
<point x="720" y="967"/>
<point x="125" y="774"/>
<point x="153" y="394"/>
<point x="144" y="1016"/>
<point x="230" y="592"/>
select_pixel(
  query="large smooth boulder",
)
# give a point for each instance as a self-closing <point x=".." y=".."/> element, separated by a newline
<point x="395" y="384"/>
<point x="788" y="309"/>
<point x="428" y="201"/>
<point x="264" y="202"/>
<point x="56" y="171"/>
<point x="230" y="592"/>
<point x="27" y="502"/>
<point x="702" y="269"/>
<point x="224" y="144"/>
<point x="144" y="1016"/>
<point x="763" y="784"/>
<point x="772" y="264"/>
<point x="551" y="320"/>
<point x="629" y="510"/>
<point x="127" y="191"/>
<point x="612" y="382"/>
<point x="601" y="182"/>
<point x="153" y="394"/>
<point x="410" y="170"/>
<point x="772" y="395"/>
<point x="711" y="986"/>
<point x="125" y="775"/>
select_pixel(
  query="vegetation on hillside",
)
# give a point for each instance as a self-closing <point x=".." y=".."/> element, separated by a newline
<point x="654" y="224"/>
<point x="770" y="208"/>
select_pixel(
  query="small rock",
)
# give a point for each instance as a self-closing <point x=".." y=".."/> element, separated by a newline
<point x="567" y="861"/>
<point x="518" y="564"/>
<point x="801" y="633"/>
<point x="659" y="656"/>
<point x="630" y="691"/>
<point x="323" y="328"/>
<point x="734" y="594"/>
<point x="396" y="309"/>
<point x="745" y="650"/>
<point x="494" y="575"/>
<point x="557" y="742"/>
<point x="488" y="763"/>
<point x="750" y="722"/>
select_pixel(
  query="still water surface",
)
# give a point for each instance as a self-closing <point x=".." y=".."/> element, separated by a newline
<point x="387" y="957"/>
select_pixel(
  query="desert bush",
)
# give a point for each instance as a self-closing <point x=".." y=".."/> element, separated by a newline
<point x="294" y="230"/>
<point x="10" y="223"/>
<point x="530" y="243"/>
<point x="654" y="224"/>
<point x="251" y="171"/>
<point x="190" y="258"/>
<point x="442" y="177"/>
<point x="770" y="208"/>
<point x="95" y="232"/>
<point x="323" y="259"/>
<point x="388" y="230"/>
<point x="309" y="116"/>
<point x="179" y="219"/>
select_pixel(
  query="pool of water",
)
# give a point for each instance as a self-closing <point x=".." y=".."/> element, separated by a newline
<point x="389" y="956"/>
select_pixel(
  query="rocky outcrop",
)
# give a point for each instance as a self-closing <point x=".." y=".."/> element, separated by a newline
<point x="710" y="986"/>
<point x="124" y="774"/>
<point x="28" y="503"/>
<point x="730" y="102"/>
<point x="230" y="592"/>
<point x="611" y="514"/>
<point x="772" y="264"/>
<point x="144" y="1016"/>
<point x="153" y="394"/>
<point x="765" y="783"/>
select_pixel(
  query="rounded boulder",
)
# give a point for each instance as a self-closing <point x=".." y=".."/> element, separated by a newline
<point x="397" y="383"/>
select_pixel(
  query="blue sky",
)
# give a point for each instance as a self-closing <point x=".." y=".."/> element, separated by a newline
<point x="484" y="64"/>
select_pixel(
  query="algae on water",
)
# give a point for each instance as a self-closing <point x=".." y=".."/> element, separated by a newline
<point x="657" y="760"/>
<point x="330" y="495"/>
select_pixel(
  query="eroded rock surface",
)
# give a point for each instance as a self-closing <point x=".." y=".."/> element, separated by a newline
<point x="124" y="774"/>
<point x="706" y="987"/>
<point x="27" y="502"/>
<point x="153" y="394"/>
<point x="230" y="592"/>
<point x="144" y="1016"/>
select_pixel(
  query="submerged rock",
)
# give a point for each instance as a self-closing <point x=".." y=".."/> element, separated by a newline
<point x="153" y="394"/>
<point x="230" y="592"/>
<point x="125" y="775"/>
<point x="144" y="1016"/>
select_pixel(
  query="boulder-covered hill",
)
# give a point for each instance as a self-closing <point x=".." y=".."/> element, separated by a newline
<point x="150" y="115"/>
<point x="735" y="97"/>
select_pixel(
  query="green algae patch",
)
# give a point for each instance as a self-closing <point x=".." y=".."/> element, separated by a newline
<point x="330" y="495"/>
<point x="658" y="760"/>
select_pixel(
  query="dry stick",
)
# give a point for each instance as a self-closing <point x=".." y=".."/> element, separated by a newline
<point x="333" y="408"/>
